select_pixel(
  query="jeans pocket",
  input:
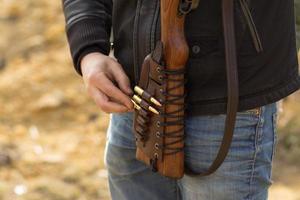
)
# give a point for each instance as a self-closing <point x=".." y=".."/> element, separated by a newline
<point x="120" y="132"/>
<point x="265" y="149"/>
<point x="121" y="162"/>
<point x="249" y="119"/>
<point x="255" y="112"/>
<point x="204" y="135"/>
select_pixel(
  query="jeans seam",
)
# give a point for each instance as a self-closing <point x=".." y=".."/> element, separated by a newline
<point x="256" y="140"/>
<point x="178" y="195"/>
<point x="274" y="129"/>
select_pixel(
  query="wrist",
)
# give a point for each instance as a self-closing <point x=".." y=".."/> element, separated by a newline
<point x="89" y="59"/>
<point x="83" y="54"/>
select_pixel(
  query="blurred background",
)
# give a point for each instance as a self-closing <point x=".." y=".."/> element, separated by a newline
<point x="52" y="136"/>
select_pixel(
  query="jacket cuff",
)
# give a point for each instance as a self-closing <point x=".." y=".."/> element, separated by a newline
<point x="84" y="52"/>
<point x="87" y="36"/>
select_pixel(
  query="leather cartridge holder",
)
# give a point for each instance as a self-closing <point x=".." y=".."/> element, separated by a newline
<point x="149" y="127"/>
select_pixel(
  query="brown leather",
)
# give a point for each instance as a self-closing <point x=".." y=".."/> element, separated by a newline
<point x="232" y="87"/>
<point x="150" y="140"/>
<point x="154" y="146"/>
<point x="149" y="81"/>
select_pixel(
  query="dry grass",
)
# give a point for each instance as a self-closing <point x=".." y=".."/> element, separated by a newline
<point x="51" y="134"/>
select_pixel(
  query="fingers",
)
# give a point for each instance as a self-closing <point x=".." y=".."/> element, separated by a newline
<point x="122" y="79"/>
<point x="105" y="104"/>
<point x="106" y="86"/>
<point x="106" y="82"/>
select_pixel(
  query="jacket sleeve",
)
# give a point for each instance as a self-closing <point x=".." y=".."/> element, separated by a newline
<point x="88" y="27"/>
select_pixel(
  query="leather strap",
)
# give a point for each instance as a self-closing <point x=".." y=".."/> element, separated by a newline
<point x="232" y="87"/>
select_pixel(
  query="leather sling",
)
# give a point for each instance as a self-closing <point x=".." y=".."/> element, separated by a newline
<point x="232" y="87"/>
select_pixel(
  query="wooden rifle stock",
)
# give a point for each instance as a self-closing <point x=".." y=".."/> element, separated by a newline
<point x="175" y="56"/>
<point x="160" y="136"/>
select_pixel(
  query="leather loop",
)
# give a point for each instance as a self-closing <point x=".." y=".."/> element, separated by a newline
<point x="142" y="120"/>
<point x="143" y="113"/>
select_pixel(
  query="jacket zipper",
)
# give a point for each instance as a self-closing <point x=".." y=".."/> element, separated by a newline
<point x="251" y="25"/>
<point x="135" y="41"/>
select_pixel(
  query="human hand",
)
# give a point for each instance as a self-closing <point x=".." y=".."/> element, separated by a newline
<point x="106" y="83"/>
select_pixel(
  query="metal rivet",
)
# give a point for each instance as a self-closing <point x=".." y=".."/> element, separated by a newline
<point x="158" y="123"/>
<point x="158" y="69"/>
<point x="156" y="146"/>
<point x="196" y="49"/>
<point x="158" y="134"/>
<point x="160" y="78"/>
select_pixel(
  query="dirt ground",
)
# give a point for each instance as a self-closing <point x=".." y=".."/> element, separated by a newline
<point x="52" y="136"/>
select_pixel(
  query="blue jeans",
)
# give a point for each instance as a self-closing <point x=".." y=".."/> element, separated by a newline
<point x="245" y="173"/>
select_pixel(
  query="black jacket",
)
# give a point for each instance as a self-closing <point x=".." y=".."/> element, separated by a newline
<point x="267" y="57"/>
